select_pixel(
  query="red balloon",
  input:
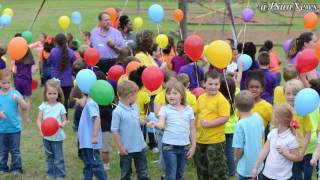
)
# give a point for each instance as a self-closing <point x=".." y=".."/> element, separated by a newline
<point x="91" y="56"/>
<point x="198" y="91"/>
<point x="49" y="126"/>
<point x="193" y="47"/>
<point x="152" y="78"/>
<point x="307" y="60"/>
<point x="34" y="84"/>
<point x="115" y="72"/>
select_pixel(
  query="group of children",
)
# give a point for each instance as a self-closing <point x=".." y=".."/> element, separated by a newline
<point x="226" y="131"/>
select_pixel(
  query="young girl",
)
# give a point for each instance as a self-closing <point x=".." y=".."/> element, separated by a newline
<point x="281" y="147"/>
<point x="177" y="120"/>
<point x="10" y="124"/>
<point x="53" y="107"/>
<point x="179" y="60"/>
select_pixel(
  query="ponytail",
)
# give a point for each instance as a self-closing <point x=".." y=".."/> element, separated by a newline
<point x="61" y="41"/>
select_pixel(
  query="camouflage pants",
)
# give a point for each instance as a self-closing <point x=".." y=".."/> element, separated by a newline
<point x="211" y="162"/>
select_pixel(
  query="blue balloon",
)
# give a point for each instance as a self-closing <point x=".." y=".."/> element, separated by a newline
<point x="155" y="12"/>
<point x="85" y="78"/>
<point x="247" y="61"/>
<point x="76" y="17"/>
<point x="5" y="20"/>
<point x="306" y="101"/>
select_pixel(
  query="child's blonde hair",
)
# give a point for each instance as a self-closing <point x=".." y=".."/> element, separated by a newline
<point x="283" y="113"/>
<point x="244" y="101"/>
<point x="289" y="72"/>
<point x="4" y="73"/>
<point x="295" y="84"/>
<point x="55" y="85"/>
<point x="178" y="86"/>
<point x="127" y="87"/>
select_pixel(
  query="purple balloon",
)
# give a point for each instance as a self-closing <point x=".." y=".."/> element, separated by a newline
<point x="247" y="14"/>
<point x="286" y="45"/>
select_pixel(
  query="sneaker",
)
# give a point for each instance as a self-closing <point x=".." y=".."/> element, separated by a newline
<point x="155" y="150"/>
<point x="106" y="167"/>
<point x="3" y="172"/>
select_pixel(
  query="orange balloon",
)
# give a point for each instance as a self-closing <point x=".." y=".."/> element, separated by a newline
<point x="112" y="13"/>
<point x="310" y="20"/>
<point x="178" y="15"/>
<point x="317" y="47"/>
<point x="133" y="65"/>
<point x="17" y="48"/>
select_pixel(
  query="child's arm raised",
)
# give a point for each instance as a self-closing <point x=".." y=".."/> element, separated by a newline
<point x="96" y="126"/>
<point x="39" y="120"/>
<point x="262" y="156"/>
<point x="216" y="122"/>
<point x="122" y="149"/>
<point x="192" y="139"/>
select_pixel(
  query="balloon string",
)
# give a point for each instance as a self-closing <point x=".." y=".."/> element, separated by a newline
<point x="225" y="80"/>
<point x="158" y="28"/>
<point x="197" y="76"/>
<point x="36" y="16"/>
<point x="124" y="7"/>
<point x="248" y="3"/>
<point x="181" y="37"/>
<point x="244" y="36"/>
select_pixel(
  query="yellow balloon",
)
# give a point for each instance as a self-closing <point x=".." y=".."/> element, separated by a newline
<point x="137" y="22"/>
<point x="219" y="54"/>
<point x="162" y="40"/>
<point x="8" y="11"/>
<point x="64" y="22"/>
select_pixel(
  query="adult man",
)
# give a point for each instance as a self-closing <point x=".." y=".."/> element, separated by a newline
<point x="108" y="41"/>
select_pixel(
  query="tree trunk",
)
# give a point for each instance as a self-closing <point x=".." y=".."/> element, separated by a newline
<point x="183" y="24"/>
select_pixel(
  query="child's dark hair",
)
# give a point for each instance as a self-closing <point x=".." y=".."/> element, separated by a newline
<point x="18" y="35"/>
<point x="268" y="45"/>
<point x="225" y="90"/>
<point x="250" y="49"/>
<point x="298" y="44"/>
<point x="315" y="84"/>
<point x="231" y="43"/>
<point x="69" y="37"/>
<point x="257" y="76"/>
<point x="73" y="45"/>
<point x="123" y="21"/>
<point x="136" y="75"/>
<point x="170" y="45"/>
<point x="86" y="33"/>
<point x="100" y="75"/>
<point x="77" y="66"/>
<point x="61" y="41"/>
<point x="75" y="93"/>
<point x="145" y="41"/>
<point x="213" y="74"/>
<point x="3" y="50"/>
<point x="264" y="58"/>
<point x="123" y="54"/>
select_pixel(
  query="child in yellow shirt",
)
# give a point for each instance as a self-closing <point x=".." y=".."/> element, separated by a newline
<point x="213" y="111"/>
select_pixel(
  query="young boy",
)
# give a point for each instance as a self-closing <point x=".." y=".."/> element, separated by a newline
<point x="213" y="111"/>
<point x="10" y="124"/>
<point x="126" y="132"/>
<point x="248" y="135"/>
<point x="269" y="77"/>
<point x="89" y="136"/>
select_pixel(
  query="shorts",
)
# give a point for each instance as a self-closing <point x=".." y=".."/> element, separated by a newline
<point x="23" y="86"/>
<point x="106" y="142"/>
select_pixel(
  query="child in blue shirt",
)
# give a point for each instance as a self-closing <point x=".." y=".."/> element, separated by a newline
<point x="126" y="132"/>
<point x="10" y="124"/>
<point x="248" y="136"/>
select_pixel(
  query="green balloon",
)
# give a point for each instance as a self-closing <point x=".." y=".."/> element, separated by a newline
<point x="102" y="92"/>
<point x="78" y="43"/>
<point x="27" y="35"/>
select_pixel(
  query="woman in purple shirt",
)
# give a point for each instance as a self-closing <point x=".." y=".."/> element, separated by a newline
<point x="61" y="59"/>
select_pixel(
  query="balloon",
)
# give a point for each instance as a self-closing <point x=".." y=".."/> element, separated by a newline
<point x="78" y="42"/>
<point x="17" y="48"/>
<point x="317" y="48"/>
<point x="219" y="54"/>
<point x="115" y="72"/>
<point x="112" y="13"/>
<point x="162" y="41"/>
<point x="247" y="61"/>
<point x="178" y="15"/>
<point x="306" y="101"/>
<point x="76" y="17"/>
<point x="132" y="66"/>
<point x="34" y="84"/>
<point x="247" y="14"/>
<point x="152" y="78"/>
<point x="27" y="35"/>
<point x="205" y="50"/>
<point x="49" y="126"/>
<point x="91" y="56"/>
<point x="286" y="45"/>
<point x="102" y="92"/>
<point x="8" y="11"/>
<point x="310" y="20"/>
<point x="307" y="60"/>
<point x="85" y="78"/>
<point x="193" y="47"/>
<point x="155" y="13"/>
<point x="137" y="22"/>
<point x="198" y="91"/>
<point x="5" y="20"/>
<point x="64" y="22"/>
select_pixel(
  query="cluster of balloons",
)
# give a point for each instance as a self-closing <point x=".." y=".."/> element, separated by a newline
<point x="64" y="21"/>
<point x="6" y="17"/>
<point x="306" y="101"/>
<point x="310" y="20"/>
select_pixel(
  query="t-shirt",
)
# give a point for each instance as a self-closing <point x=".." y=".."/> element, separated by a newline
<point x="264" y="109"/>
<point x="209" y="108"/>
<point x="305" y="126"/>
<point x="125" y="121"/>
<point x="146" y="59"/>
<point x="142" y="99"/>
<point x="314" y="117"/>
<point x="195" y="78"/>
<point x="248" y="135"/>
<point x="178" y="62"/>
<point x="277" y="166"/>
<point x="12" y="122"/>
<point x="232" y="119"/>
<point x="270" y="84"/>
<point x="85" y="132"/>
<point x="2" y="64"/>
<point x="23" y="71"/>
<point x="279" y="96"/>
<point x="177" y="129"/>
<point x="55" y="111"/>
<point x="275" y="62"/>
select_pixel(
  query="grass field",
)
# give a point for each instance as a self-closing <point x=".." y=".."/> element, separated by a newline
<point x="31" y="144"/>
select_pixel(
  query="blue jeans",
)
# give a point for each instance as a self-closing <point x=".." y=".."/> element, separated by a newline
<point x="54" y="157"/>
<point x="140" y="162"/>
<point x="161" y="160"/>
<point x="92" y="164"/>
<point x="260" y="176"/>
<point x="10" y="143"/>
<point x="228" y="150"/>
<point x="302" y="168"/>
<point x="175" y="157"/>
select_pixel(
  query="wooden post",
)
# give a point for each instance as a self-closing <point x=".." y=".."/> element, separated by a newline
<point x="183" y="24"/>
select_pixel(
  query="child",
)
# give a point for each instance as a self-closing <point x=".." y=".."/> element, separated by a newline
<point x="89" y="136"/>
<point x="10" y="124"/>
<point x="291" y="88"/>
<point x="248" y="135"/>
<point x="3" y="51"/>
<point x="53" y="145"/>
<point x="281" y="147"/>
<point x="45" y="67"/>
<point x="315" y="84"/>
<point x="191" y="99"/>
<point x="269" y="78"/>
<point x="213" y="111"/>
<point x="86" y="38"/>
<point x="195" y="72"/>
<point x="74" y="46"/>
<point x="126" y="132"/>
<point x="177" y="120"/>
<point x="179" y="60"/>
